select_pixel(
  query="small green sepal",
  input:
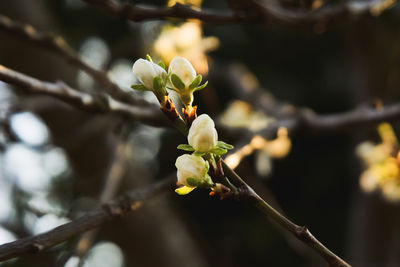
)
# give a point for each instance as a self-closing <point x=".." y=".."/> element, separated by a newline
<point x="196" y="82"/>
<point x="194" y="182"/>
<point x="218" y="151"/>
<point x="161" y="64"/>
<point x="185" y="147"/>
<point x="157" y="83"/>
<point x="224" y="145"/>
<point x="200" y="87"/>
<point x="177" y="82"/>
<point x="206" y="182"/>
<point x="209" y="183"/>
<point x="199" y="154"/>
<point x="139" y="87"/>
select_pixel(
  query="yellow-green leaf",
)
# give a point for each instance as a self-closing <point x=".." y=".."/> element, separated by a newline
<point x="196" y="82"/>
<point x="184" y="190"/>
<point x="185" y="147"/>
<point x="224" y="145"/>
<point x="177" y="82"/>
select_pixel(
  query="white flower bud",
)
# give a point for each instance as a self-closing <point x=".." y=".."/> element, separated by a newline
<point x="190" y="166"/>
<point x="145" y="71"/>
<point x="183" y="69"/>
<point x="202" y="134"/>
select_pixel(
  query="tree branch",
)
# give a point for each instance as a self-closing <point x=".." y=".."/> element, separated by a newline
<point x="304" y="119"/>
<point x="101" y="103"/>
<point x="111" y="210"/>
<point x="247" y="11"/>
<point x="141" y="13"/>
<point x="295" y="118"/>
<point x="58" y="45"/>
<point x="328" y="13"/>
<point x="349" y="120"/>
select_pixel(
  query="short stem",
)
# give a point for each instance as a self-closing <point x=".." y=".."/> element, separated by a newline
<point x="218" y="170"/>
<point x="188" y="108"/>
<point x="210" y="158"/>
<point x="168" y="108"/>
<point x="181" y="126"/>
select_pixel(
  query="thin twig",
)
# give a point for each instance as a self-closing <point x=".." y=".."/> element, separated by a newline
<point x="102" y="103"/>
<point x="246" y="193"/>
<point x="58" y="45"/>
<point x="111" y="210"/>
<point x="270" y="198"/>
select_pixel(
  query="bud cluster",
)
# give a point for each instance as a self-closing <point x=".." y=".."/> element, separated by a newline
<point x="192" y="169"/>
<point x="203" y="142"/>
<point x="181" y="78"/>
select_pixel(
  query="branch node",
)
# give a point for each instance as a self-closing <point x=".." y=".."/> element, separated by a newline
<point x="36" y="247"/>
<point x="302" y="233"/>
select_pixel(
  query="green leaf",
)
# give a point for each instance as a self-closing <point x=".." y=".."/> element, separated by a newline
<point x="139" y="87"/>
<point x="184" y="190"/>
<point x="157" y="83"/>
<point x="177" y="82"/>
<point x="218" y="151"/>
<point x="161" y="64"/>
<point x="208" y="180"/>
<point x="148" y="57"/>
<point x="199" y="154"/>
<point x="206" y="168"/>
<point x="200" y="87"/>
<point x="185" y="147"/>
<point x="196" y="82"/>
<point x="224" y="145"/>
<point x="193" y="182"/>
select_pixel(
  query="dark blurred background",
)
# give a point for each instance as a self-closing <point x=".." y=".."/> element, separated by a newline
<point x="55" y="158"/>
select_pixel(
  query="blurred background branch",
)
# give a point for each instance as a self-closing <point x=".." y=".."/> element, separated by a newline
<point x="250" y="11"/>
<point x="58" y="45"/>
<point x="98" y="102"/>
<point x="113" y="209"/>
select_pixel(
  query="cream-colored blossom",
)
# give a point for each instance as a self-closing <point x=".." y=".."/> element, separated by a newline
<point x="183" y="69"/>
<point x="145" y="71"/>
<point x="190" y="166"/>
<point x="202" y="134"/>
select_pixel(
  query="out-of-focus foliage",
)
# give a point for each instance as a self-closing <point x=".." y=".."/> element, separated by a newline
<point x="382" y="163"/>
<point x="185" y="40"/>
<point x="267" y="149"/>
<point x="240" y="114"/>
